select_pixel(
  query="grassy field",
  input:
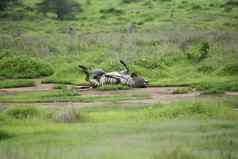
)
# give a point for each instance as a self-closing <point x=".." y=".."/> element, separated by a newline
<point x="174" y="42"/>
<point x="63" y="96"/>
<point x="170" y="42"/>
<point x="198" y="129"/>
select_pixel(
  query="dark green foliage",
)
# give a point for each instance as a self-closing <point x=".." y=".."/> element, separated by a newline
<point x="233" y="3"/>
<point x="62" y="8"/>
<point x="23" y="112"/>
<point x="196" y="7"/>
<point x="5" y="3"/>
<point x="23" y="67"/>
<point x="204" y="50"/>
<point x="217" y="87"/>
<point x="113" y="11"/>
<point x="4" y="135"/>
<point x="229" y="5"/>
<point x="230" y="69"/>
<point x="198" y="52"/>
<point x="131" y="1"/>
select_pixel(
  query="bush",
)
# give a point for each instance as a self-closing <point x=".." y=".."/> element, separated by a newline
<point x="233" y="3"/>
<point x="22" y="112"/>
<point x="4" y="135"/>
<point x="230" y="69"/>
<point x="198" y="51"/>
<point x="62" y="8"/>
<point x="23" y="67"/>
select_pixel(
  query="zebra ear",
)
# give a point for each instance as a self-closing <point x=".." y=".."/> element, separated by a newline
<point x="134" y="75"/>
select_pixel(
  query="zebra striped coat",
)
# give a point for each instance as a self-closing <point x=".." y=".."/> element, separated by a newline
<point x="113" y="78"/>
<point x="99" y="78"/>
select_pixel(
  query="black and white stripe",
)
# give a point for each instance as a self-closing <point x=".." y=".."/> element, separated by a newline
<point x="99" y="78"/>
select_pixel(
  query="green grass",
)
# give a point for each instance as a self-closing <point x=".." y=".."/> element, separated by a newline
<point x="13" y="66"/>
<point x="199" y="129"/>
<point x="167" y="49"/>
<point x="16" y="83"/>
<point x="62" y="96"/>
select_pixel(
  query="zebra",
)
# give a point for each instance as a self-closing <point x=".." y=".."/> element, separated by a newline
<point x="98" y="78"/>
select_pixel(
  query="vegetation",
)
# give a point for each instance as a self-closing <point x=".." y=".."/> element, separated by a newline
<point x="16" y="83"/>
<point x="22" y="112"/>
<point x="62" y="96"/>
<point x="96" y="39"/>
<point x="4" y="4"/>
<point x="61" y="8"/>
<point x="209" y="124"/>
<point x="23" y="67"/>
<point x="169" y="42"/>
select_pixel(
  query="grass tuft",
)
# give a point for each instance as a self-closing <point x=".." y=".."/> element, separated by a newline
<point x="20" y="112"/>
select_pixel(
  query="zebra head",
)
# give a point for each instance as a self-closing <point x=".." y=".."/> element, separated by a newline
<point x="133" y="79"/>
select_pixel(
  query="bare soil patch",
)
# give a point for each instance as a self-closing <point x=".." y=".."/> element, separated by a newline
<point x="155" y="95"/>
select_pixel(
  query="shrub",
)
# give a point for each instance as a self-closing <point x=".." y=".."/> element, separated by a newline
<point x="204" y="50"/>
<point x="230" y="69"/>
<point x="4" y="135"/>
<point x="24" y="67"/>
<point x="233" y="3"/>
<point x="22" y="112"/>
<point x="198" y="52"/>
<point x="62" y="8"/>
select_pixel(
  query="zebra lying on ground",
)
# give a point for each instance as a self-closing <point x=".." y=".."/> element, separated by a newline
<point x="99" y="77"/>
